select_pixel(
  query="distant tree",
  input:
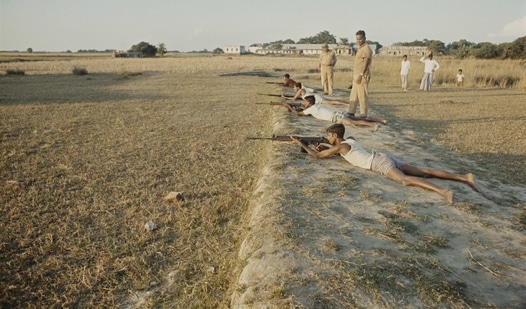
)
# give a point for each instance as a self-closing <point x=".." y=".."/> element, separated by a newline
<point x="461" y="49"/>
<point x="323" y="37"/>
<point x="146" y="49"/>
<point x="87" y="51"/>
<point x="436" y="47"/>
<point x="485" y="50"/>
<point x="203" y="51"/>
<point x="344" y="41"/>
<point x="414" y="43"/>
<point x="275" y="45"/>
<point x="218" y="51"/>
<point x="29" y="50"/>
<point x="279" y="44"/>
<point x="161" y="49"/>
<point x="514" y="50"/>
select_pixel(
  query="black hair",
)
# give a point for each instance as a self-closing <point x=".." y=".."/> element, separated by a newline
<point x="286" y="75"/>
<point x="337" y="128"/>
<point x="311" y="99"/>
<point x="360" y="32"/>
<point x="298" y="84"/>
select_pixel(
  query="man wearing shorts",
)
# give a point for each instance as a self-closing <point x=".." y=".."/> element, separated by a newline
<point x="302" y="93"/>
<point x="321" y="112"/>
<point x="405" y="174"/>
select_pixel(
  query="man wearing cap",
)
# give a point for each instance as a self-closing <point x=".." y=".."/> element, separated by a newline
<point x="361" y="75"/>
<point x="326" y="67"/>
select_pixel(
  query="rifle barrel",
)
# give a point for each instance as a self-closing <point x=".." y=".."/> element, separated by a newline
<point x="270" y="94"/>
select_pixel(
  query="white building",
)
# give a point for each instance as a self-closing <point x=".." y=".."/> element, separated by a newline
<point x="397" y="50"/>
<point x="300" y="49"/>
<point x="235" y="49"/>
<point x="254" y="47"/>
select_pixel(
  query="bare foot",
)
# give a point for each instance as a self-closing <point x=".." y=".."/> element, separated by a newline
<point x="375" y="127"/>
<point x="448" y="195"/>
<point x="471" y="182"/>
<point x="384" y="121"/>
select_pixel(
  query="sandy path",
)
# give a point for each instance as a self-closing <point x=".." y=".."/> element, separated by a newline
<point x="326" y="235"/>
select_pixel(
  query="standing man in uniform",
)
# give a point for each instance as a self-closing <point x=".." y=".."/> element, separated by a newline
<point x="326" y="67"/>
<point x="361" y="75"/>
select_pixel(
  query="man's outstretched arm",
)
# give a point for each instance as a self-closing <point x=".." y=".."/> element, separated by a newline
<point x="290" y="108"/>
<point x="334" y="150"/>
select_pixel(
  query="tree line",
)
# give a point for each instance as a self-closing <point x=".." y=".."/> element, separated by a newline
<point x="485" y="50"/>
<point x="460" y="49"/>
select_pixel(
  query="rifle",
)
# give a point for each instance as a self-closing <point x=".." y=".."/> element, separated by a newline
<point x="293" y="104"/>
<point x="277" y="95"/>
<point x="305" y="140"/>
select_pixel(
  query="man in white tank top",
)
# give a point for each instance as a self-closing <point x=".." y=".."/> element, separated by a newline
<point x="321" y="112"/>
<point x="405" y="174"/>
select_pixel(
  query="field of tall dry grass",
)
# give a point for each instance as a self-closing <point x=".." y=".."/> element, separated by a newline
<point x="87" y="161"/>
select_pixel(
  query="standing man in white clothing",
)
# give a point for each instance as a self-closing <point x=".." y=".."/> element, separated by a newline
<point x="404" y="71"/>
<point x="430" y="66"/>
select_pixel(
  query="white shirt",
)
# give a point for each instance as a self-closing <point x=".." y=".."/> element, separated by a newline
<point x="406" y="65"/>
<point x="319" y="111"/>
<point x="358" y="156"/>
<point x="429" y="65"/>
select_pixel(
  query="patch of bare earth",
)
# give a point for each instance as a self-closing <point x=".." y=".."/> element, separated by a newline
<point x="326" y="235"/>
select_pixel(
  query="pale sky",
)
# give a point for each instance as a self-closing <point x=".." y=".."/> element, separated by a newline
<point x="194" y="25"/>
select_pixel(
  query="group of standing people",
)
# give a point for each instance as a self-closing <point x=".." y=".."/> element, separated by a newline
<point x="361" y="74"/>
<point x="430" y="67"/>
<point x="349" y="148"/>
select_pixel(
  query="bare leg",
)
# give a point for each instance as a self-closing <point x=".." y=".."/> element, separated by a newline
<point x="371" y="119"/>
<point x="407" y="180"/>
<point x="335" y="102"/>
<point x="468" y="178"/>
<point x="361" y="123"/>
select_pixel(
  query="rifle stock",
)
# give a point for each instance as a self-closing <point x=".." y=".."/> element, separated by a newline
<point x="306" y="140"/>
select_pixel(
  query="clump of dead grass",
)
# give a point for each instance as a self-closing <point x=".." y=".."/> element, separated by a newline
<point x="15" y="72"/>
<point x="79" y="71"/>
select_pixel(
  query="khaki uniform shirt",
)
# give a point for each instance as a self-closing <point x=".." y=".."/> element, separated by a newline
<point x="328" y="58"/>
<point x="364" y="54"/>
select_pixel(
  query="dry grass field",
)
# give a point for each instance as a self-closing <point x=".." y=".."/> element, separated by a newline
<point x="86" y="162"/>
